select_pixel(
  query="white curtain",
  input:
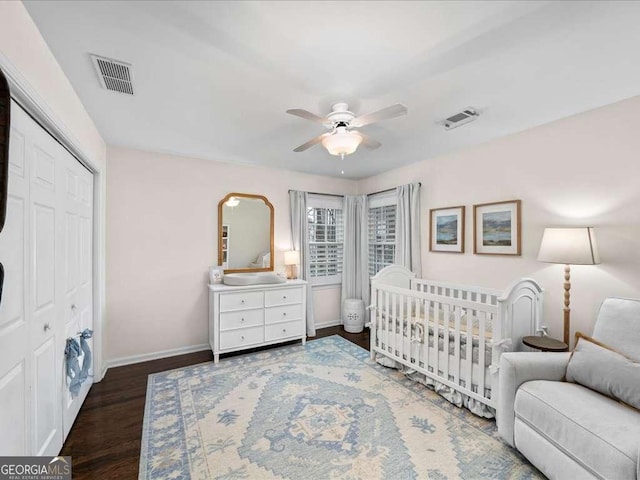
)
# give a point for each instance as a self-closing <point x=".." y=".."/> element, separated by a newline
<point x="355" y="264"/>
<point x="300" y="242"/>
<point x="408" y="228"/>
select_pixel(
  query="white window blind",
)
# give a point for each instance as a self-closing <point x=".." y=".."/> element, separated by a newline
<point x="382" y="233"/>
<point x="326" y="240"/>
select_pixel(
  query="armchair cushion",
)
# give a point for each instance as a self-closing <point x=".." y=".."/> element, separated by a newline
<point x="617" y="326"/>
<point x="599" y="368"/>
<point x="517" y="368"/>
<point x="595" y="431"/>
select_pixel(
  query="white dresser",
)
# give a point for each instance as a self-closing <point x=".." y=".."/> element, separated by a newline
<point x="256" y="315"/>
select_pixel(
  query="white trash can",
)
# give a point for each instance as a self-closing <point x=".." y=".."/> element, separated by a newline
<point x="353" y="315"/>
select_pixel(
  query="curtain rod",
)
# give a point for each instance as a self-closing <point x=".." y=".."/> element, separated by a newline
<point x="368" y="194"/>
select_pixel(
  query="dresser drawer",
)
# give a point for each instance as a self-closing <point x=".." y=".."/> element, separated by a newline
<point x="241" y="318"/>
<point x="282" y="296"/>
<point x="279" y="331"/>
<point x="280" y="314"/>
<point x="241" y="300"/>
<point x="241" y="337"/>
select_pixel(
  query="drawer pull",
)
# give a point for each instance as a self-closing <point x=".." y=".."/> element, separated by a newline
<point x="242" y="319"/>
<point x="241" y="301"/>
<point x="284" y="330"/>
<point x="242" y="337"/>
<point x="47" y="327"/>
<point x="284" y="297"/>
<point x="284" y="314"/>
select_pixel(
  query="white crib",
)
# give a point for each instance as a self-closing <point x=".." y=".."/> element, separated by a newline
<point x="452" y="334"/>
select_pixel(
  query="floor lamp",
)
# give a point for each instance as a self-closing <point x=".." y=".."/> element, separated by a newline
<point x="570" y="246"/>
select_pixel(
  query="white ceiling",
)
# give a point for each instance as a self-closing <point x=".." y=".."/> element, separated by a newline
<point x="213" y="79"/>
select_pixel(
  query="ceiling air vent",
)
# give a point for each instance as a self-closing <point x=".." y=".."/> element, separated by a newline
<point x="467" y="115"/>
<point x="113" y="74"/>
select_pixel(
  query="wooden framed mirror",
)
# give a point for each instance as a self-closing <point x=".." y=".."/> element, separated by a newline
<point x="245" y="233"/>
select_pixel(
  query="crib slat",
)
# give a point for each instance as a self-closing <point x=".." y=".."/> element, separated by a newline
<point x="408" y="343"/>
<point x="425" y="334"/>
<point x="468" y="360"/>
<point x="378" y="324"/>
<point x="445" y="341"/>
<point x="393" y="307"/>
<point x="482" y="318"/>
<point x="436" y="337"/>
<point x="402" y="320"/>
<point x="387" y="321"/>
<point x="456" y="353"/>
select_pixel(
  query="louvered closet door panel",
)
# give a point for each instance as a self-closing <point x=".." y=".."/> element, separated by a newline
<point x="77" y="304"/>
<point x="45" y="300"/>
<point x="15" y="358"/>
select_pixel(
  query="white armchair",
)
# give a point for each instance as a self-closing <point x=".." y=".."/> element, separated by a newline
<point x="564" y="429"/>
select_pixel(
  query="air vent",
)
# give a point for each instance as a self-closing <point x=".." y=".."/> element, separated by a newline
<point x="113" y="74"/>
<point x="467" y="115"/>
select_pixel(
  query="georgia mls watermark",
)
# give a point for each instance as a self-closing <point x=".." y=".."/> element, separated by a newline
<point x="35" y="468"/>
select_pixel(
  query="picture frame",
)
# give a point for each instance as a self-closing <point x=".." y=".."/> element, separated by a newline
<point x="497" y="228"/>
<point x="446" y="229"/>
<point x="216" y="274"/>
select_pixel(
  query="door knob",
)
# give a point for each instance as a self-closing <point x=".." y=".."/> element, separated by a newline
<point x="47" y="327"/>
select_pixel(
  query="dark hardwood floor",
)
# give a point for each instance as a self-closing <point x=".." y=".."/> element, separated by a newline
<point x="104" y="442"/>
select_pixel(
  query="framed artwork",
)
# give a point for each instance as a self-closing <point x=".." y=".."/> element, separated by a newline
<point x="496" y="228"/>
<point x="446" y="230"/>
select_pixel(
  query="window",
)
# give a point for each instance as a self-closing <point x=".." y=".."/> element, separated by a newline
<point x="382" y="231"/>
<point x="326" y="238"/>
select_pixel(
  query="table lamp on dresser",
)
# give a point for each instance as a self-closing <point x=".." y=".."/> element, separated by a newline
<point x="570" y="246"/>
<point x="292" y="260"/>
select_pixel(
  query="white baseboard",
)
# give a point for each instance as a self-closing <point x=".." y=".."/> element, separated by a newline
<point x="329" y="323"/>
<point x="145" y="357"/>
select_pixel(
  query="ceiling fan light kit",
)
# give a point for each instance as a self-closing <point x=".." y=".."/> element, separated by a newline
<point x="342" y="142"/>
<point x="343" y="139"/>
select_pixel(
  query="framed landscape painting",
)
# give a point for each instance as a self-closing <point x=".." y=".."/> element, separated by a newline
<point x="496" y="228"/>
<point x="446" y="230"/>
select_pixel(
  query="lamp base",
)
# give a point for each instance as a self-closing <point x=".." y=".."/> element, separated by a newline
<point x="566" y="311"/>
<point x="292" y="274"/>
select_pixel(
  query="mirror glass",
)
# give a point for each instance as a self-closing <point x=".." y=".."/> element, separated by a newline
<point x="245" y="233"/>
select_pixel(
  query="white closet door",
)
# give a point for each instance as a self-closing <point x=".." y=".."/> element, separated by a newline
<point x="46" y="248"/>
<point x="47" y="225"/>
<point x="15" y="352"/>
<point x="78" y="269"/>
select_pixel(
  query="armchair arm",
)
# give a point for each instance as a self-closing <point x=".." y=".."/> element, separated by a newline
<point x="517" y="368"/>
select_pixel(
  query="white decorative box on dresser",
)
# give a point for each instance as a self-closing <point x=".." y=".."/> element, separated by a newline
<point x="256" y="315"/>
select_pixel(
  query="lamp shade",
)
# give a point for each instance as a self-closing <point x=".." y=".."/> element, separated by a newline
<point x="572" y="246"/>
<point x="292" y="257"/>
<point x="342" y="142"/>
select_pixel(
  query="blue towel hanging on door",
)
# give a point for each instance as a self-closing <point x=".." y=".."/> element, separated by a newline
<point x="72" y="352"/>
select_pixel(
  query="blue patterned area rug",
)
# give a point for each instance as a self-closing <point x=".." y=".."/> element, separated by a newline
<point x="320" y="411"/>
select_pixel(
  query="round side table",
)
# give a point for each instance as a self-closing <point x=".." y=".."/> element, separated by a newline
<point x="545" y="344"/>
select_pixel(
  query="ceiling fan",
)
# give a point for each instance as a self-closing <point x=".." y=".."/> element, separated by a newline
<point x="343" y="139"/>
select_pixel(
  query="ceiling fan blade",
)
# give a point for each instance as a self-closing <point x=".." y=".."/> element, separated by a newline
<point x="369" y="142"/>
<point x="311" y="142"/>
<point x="389" y="112"/>
<point x="299" y="112"/>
